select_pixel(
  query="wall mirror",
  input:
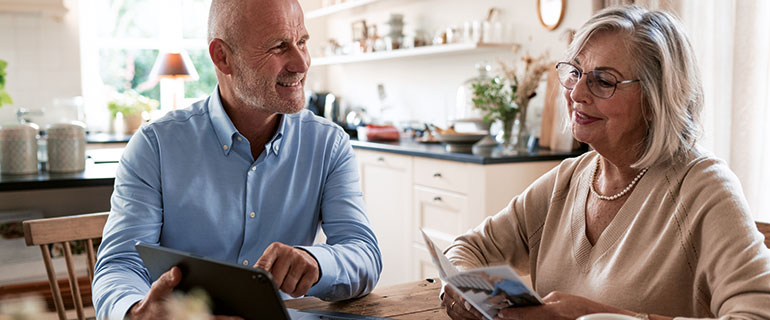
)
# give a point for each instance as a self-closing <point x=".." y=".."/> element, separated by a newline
<point x="550" y="12"/>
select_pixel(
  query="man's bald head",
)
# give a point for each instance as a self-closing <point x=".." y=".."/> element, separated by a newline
<point x="224" y="19"/>
<point x="259" y="50"/>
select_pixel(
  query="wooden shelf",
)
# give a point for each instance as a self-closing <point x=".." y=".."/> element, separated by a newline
<point x="338" y="8"/>
<point x="404" y="53"/>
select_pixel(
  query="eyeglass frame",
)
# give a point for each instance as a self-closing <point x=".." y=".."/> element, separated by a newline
<point x="593" y="73"/>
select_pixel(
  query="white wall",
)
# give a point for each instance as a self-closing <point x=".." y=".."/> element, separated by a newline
<point x="424" y="88"/>
<point x="43" y="55"/>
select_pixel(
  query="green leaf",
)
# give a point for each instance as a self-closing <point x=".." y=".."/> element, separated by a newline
<point x="5" y="98"/>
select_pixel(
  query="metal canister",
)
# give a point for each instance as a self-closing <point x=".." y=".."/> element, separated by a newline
<point x="66" y="147"/>
<point x="18" y="148"/>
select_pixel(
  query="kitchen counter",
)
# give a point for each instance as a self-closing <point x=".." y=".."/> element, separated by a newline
<point x="438" y="151"/>
<point x="95" y="175"/>
<point x="101" y="172"/>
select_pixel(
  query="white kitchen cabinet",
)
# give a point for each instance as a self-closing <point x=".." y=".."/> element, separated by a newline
<point x="445" y="198"/>
<point x="386" y="181"/>
<point x="452" y="197"/>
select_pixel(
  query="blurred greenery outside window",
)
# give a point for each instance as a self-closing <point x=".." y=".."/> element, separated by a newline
<point x="131" y="34"/>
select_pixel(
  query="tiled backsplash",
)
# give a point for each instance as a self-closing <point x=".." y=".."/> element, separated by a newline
<point x="43" y="55"/>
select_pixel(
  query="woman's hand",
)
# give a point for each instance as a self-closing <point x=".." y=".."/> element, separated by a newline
<point x="456" y="307"/>
<point x="560" y="305"/>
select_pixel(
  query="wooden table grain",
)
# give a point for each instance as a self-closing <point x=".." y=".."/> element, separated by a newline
<point x="411" y="301"/>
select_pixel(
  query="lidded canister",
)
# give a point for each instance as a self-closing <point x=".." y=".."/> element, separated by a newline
<point x="66" y="147"/>
<point x="18" y="148"/>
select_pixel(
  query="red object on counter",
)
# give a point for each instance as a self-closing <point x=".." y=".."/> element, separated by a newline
<point x="382" y="133"/>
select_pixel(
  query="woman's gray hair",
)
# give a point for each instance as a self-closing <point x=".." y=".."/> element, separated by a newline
<point x="665" y="63"/>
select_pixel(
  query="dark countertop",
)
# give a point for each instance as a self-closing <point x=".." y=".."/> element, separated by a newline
<point x="107" y="137"/>
<point x="102" y="163"/>
<point x="95" y="175"/>
<point x="438" y="151"/>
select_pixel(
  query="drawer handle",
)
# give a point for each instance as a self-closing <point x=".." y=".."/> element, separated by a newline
<point x="437" y="175"/>
<point x="380" y="159"/>
<point x="437" y="198"/>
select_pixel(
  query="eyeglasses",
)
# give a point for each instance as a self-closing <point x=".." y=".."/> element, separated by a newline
<point x="602" y="84"/>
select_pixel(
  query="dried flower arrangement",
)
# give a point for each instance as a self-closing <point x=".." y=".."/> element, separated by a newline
<point x="525" y="89"/>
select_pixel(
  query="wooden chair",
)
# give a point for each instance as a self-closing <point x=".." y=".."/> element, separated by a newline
<point x="765" y="229"/>
<point x="46" y="232"/>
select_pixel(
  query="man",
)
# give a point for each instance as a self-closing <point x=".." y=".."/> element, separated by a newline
<point x="243" y="176"/>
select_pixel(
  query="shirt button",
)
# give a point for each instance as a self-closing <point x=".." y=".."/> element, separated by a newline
<point x="245" y="262"/>
<point x="225" y="147"/>
<point x="239" y="139"/>
<point x="254" y="168"/>
<point x="252" y="214"/>
<point x="276" y="148"/>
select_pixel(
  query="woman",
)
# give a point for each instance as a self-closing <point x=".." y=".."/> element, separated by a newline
<point x="648" y="224"/>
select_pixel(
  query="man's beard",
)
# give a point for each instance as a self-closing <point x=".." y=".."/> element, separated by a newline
<point x="259" y="92"/>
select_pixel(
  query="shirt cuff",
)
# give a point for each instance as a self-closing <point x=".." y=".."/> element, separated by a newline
<point x="327" y="268"/>
<point x="120" y="309"/>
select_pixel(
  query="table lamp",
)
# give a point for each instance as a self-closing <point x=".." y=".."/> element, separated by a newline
<point x="172" y="69"/>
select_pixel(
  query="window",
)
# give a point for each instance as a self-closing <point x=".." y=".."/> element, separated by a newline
<point x="121" y="40"/>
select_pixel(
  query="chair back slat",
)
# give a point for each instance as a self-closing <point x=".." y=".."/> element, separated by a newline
<point x="44" y="232"/>
<point x="765" y="229"/>
<point x="73" y="279"/>
<point x="90" y="259"/>
<point x="87" y="226"/>
<point x="57" y="299"/>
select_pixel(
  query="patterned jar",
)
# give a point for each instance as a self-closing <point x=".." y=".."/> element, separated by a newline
<point x="66" y="147"/>
<point x="18" y="149"/>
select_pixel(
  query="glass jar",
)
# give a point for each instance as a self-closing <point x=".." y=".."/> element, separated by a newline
<point x="464" y="107"/>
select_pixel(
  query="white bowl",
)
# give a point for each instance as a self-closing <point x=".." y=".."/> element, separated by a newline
<point x="460" y="138"/>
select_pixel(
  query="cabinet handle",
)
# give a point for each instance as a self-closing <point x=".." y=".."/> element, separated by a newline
<point x="436" y="198"/>
<point x="437" y="175"/>
<point x="380" y="159"/>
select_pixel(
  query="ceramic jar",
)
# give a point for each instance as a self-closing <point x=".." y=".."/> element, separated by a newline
<point x="66" y="147"/>
<point x="18" y="148"/>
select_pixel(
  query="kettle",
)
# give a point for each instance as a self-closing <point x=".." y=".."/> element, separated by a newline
<point x="325" y="104"/>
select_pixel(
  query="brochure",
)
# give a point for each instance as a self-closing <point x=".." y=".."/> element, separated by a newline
<point x="488" y="289"/>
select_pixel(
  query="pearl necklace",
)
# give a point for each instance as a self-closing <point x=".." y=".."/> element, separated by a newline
<point x="613" y="197"/>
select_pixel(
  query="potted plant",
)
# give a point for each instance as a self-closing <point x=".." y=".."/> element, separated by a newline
<point x="4" y="97"/>
<point x="132" y="106"/>
<point x="496" y="99"/>
<point x="505" y="98"/>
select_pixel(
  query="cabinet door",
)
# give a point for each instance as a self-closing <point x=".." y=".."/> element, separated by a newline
<point x="386" y="181"/>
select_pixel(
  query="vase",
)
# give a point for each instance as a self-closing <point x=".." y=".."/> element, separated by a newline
<point x="522" y="136"/>
<point x="506" y="140"/>
<point x="522" y="132"/>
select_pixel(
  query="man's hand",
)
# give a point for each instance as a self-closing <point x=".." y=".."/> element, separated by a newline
<point x="153" y="305"/>
<point x="294" y="270"/>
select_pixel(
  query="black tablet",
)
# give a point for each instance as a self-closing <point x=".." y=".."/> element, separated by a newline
<point x="235" y="290"/>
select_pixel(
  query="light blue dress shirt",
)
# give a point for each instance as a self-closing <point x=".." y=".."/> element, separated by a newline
<point x="188" y="181"/>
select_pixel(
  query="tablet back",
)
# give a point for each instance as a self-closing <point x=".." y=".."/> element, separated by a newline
<point x="234" y="289"/>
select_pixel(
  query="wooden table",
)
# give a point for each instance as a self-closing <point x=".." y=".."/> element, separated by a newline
<point x="411" y="300"/>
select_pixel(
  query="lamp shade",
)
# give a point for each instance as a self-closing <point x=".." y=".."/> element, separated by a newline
<point x="175" y="65"/>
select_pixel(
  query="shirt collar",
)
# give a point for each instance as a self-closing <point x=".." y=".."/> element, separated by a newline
<point x="226" y="132"/>
<point x="223" y="127"/>
<point x="275" y="143"/>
